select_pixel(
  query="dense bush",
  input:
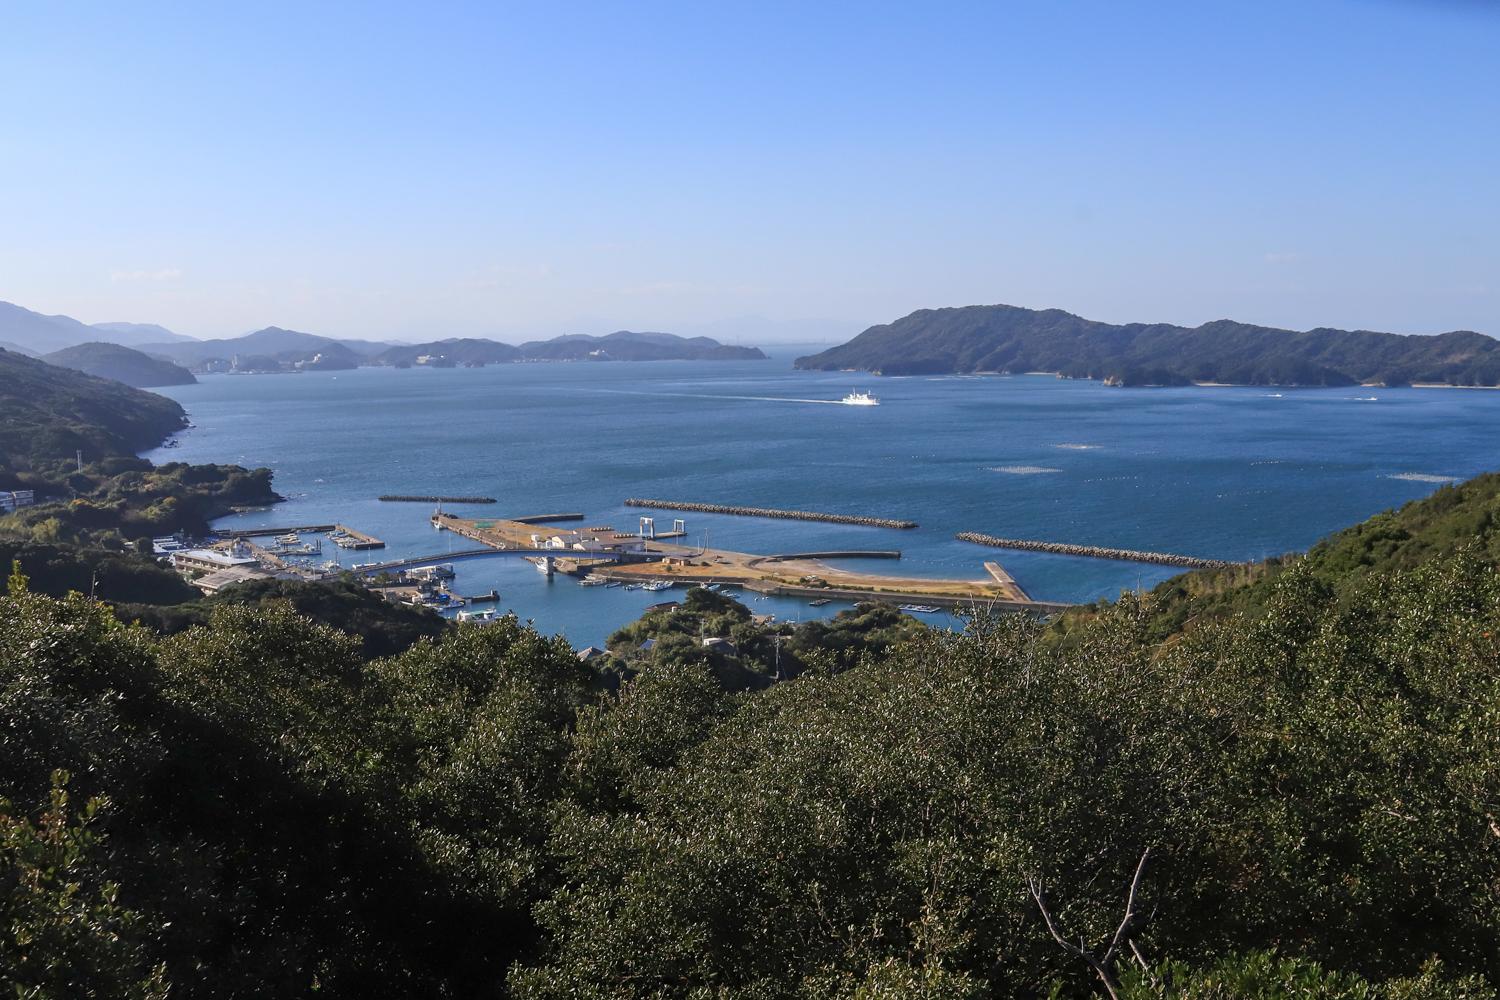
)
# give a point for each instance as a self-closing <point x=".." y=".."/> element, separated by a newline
<point x="1299" y="773"/>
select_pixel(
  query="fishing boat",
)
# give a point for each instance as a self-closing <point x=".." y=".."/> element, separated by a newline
<point x="920" y="609"/>
<point x="656" y="586"/>
<point x="820" y="602"/>
<point x="290" y="538"/>
<point x="593" y="581"/>
<point x="857" y="398"/>
<point x="477" y="616"/>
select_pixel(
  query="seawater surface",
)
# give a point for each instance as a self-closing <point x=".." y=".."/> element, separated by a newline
<point x="1224" y="472"/>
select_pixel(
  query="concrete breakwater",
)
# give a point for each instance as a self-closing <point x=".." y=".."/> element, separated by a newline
<point x="1095" y="552"/>
<point x="411" y="498"/>
<point x="785" y="515"/>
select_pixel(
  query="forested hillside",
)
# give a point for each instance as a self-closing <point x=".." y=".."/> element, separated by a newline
<point x="47" y="413"/>
<point x="121" y="364"/>
<point x="1011" y="339"/>
<point x="1291" y="794"/>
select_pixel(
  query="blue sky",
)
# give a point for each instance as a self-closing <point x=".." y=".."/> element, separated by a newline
<point x="757" y="171"/>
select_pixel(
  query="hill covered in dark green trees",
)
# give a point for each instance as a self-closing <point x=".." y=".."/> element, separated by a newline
<point x="123" y="364"/>
<point x="1004" y="338"/>
<point x="1288" y="791"/>
<point x="47" y="413"/>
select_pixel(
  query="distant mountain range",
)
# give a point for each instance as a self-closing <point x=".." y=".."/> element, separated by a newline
<point x="33" y="333"/>
<point x="276" y="349"/>
<point x="1004" y="338"/>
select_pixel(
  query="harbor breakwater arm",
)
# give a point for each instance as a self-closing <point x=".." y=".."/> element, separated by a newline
<point x="785" y="515"/>
<point x="1095" y="552"/>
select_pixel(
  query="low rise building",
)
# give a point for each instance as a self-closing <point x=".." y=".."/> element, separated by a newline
<point x="209" y="560"/>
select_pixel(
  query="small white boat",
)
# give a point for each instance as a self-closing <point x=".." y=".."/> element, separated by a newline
<point x="857" y="398"/>
<point x="656" y="586"/>
<point x="290" y="538"/>
<point x="920" y="609"/>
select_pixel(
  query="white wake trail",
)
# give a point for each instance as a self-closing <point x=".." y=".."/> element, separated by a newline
<point x="708" y="395"/>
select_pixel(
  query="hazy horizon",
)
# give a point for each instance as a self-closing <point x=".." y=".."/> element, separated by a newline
<point x="755" y="173"/>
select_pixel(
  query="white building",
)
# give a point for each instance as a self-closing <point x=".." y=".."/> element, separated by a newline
<point x="208" y="560"/>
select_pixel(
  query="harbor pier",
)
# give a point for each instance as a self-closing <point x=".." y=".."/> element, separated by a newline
<point x="605" y="554"/>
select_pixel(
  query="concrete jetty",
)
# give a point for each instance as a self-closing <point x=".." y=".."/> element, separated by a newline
<point x="1095" y="552"/>
<point x="1002" y="576"/>
<point x="641" y="560"/>
<point x="785" y="515"/>
<point x="435" y="559"/>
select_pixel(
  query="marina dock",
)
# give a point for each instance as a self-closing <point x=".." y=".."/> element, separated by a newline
<point x="348" y="538"/>
<point x="341" y="535"/>
<point x="261" y="532"/>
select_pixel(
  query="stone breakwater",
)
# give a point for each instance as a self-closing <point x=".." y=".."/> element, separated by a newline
<point x="1095" y="552"/>
<point x="413" y="498"/>
<point x="785" y="515"/>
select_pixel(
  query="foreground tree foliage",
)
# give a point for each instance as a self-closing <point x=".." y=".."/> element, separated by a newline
<point x="1300" y="798"/>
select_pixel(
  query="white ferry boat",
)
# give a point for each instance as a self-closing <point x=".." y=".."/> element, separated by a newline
<point x="857" y="398"/>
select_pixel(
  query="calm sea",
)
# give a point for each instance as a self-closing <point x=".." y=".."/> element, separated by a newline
<point x="1233" y="473"/>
